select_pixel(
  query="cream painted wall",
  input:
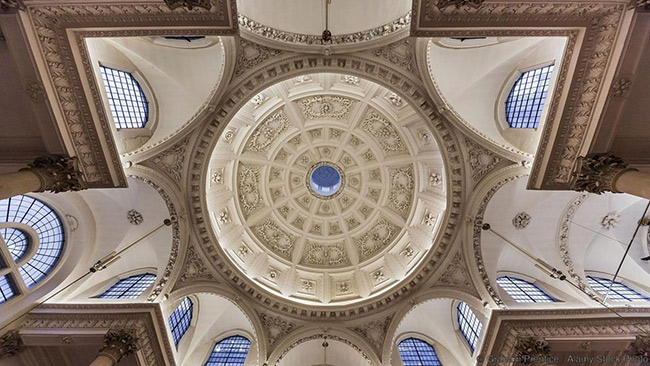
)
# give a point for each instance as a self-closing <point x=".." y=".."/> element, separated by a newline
<point x="473" y="80"/>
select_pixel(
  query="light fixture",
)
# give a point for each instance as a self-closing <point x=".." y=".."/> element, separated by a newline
<point x="327" y="35"/>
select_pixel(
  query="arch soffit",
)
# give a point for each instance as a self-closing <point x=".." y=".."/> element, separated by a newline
<point x="180" y="232"/>
<point x="229" y="47"/>
<point x="337" y="333"/>
<point x="259" y="336"/>
<point x="476" y="303"/>
<point x="285" y="67"/>
<point x="477" y="204"/>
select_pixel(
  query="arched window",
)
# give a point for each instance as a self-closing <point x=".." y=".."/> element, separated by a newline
<point x="126" y="99"/>
<point x="26" y="221"/>
<point x="230" y="351"/>
<point x="523" y="291"/>
<point x="415" y="352"/>
<point x="130" y="287"/>
<point x="617" y="291"/>
<point x="179" y="321"/>
<point x="469" y="325"/>
<point x="526" y="99"/>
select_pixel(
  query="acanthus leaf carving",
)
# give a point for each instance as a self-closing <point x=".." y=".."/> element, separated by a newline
<point x="267" y="132"/>
<point x="326" y="255"/>
<point x="326" y="106"/>
<point x="194" y="269"/>
<point x="383" y="132"/>
<point x="481" y="160"/>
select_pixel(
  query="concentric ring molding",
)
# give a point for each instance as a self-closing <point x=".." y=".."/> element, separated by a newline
<point x="316" y="249"/>
<point x="407" y="87"/>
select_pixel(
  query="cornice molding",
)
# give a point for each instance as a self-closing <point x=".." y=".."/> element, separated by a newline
<point x="145" y="319"/>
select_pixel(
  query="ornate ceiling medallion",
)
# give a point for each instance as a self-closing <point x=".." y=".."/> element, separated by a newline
<point x="325" y="192"/>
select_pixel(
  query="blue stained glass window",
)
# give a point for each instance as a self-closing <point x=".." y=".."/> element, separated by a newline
<point x="469" y="325"/>
<point x="126" y="99"/>
<point x="16" y="240"/>
<point x="179" y="321"/>
<point x="6" y="289"/>
<point x="526" y="99"/>
<point x="130" y="287"/>
<point x="415" y="352"/>
<point x="48" y="226"/>
<point x="231" y="351"/>
<point x="617" y="292"/>
<point x="523" y="291"/>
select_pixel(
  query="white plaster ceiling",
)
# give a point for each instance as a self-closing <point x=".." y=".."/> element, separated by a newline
<point x="307" y="17"/>
<point x="357" y="244"/>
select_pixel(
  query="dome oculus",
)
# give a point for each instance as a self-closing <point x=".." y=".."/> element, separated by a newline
<point x="325" y="180"/>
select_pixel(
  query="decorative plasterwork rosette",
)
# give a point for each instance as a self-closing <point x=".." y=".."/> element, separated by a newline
<point x="334" y="249"/>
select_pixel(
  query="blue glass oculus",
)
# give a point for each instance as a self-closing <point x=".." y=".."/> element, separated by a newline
<point x="325" y="180"/>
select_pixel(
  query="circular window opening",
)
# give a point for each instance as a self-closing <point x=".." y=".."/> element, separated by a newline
<point x="325" y="180"/>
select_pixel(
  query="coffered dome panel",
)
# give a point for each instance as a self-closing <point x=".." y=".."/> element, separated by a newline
<point x="326" y="189"/>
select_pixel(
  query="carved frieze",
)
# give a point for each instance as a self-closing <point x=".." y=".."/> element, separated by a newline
<point x="458" y="3"/>
<point x="376" y="238"/>
<point x="267" y="132"/>
<point x="275" y="238"/>
<point x="383" y="132"/>
<point x="325" y="106"/>
<point x="325" y="255"/>
<point x="250" y="197"/>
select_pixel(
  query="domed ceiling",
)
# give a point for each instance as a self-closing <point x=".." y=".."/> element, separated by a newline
<point x="326" y="189"/>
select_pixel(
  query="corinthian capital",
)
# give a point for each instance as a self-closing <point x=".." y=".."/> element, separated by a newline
<point x="597" y="173"/>
<point x="119" y="343"/>
<point x="531" y="349"/>
<point x="640" y="347"/>
<point x="189" y="4"/>
<point x="6" y="5"/>
<point x="58" y="173"/>
<point x="10" y="344"/>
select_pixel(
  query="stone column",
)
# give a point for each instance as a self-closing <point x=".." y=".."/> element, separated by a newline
<point x="118" y="343"/>
<point x="608" y="173"/>
<point x="54" y="173"/>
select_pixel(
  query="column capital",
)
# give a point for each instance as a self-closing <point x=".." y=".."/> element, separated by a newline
<point x="189" y="4"/>
<point x="119" y="343"/>
<point x="10" y="344"/>
<point x="532" y="348"/>
<point x="596" y="173"/>
<point x="640" y="347"/>
<point x="639" y="4"/>
<point x="58" y="173"/>
<point x="6" y="5"/>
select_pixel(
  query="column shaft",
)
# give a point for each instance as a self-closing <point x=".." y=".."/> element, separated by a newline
<point x="13" y="184"/>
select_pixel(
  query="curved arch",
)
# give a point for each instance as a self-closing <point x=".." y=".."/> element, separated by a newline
<point x="259" y="336"/>
<point x="269" y="73"/>
<point x="336" y="333"/>
<point x="421" y="299"/>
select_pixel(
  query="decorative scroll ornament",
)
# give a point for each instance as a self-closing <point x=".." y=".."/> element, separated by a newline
<point x="597" y="173"/>
<point x="458" y="3"/>
<point x="58" y="173"/>
<point x="645" y="4"/>
<point x="610" y="220"/>
<point x="375" y="332"/>
<point x="194" y="268"/>
<point x="119" y="344"/>
<point x="530" y="349"/>
<point x="325" y="106"/>
<point x="275" y="327"/>
<point x="189" y="4"/>
<point x="10" y="344"/>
